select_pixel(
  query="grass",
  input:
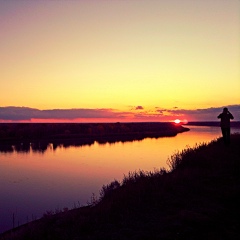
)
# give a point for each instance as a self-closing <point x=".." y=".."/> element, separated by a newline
<point x="198" y="198"/>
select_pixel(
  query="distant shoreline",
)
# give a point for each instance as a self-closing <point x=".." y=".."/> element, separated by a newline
<point x="37" y="136"/>
<point x="85" y="133"/>
<point x="212" y="124"/>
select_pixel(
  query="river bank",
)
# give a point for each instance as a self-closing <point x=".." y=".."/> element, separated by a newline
<point x="197" y="199"/>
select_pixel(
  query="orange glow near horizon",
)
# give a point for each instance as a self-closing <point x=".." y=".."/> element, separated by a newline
<point x="180" y="121"/>
<point x="90" y="120"/>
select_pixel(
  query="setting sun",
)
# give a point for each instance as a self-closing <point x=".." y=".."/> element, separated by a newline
<point x="177" y="121"/>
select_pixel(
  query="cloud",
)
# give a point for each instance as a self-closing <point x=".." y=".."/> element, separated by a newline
<point x="159" y="111"/>
<point x="206" y="114"/>
<point x="16" y="114"/>
<point x="139" y="108"/>
<point x="24" y="113"/>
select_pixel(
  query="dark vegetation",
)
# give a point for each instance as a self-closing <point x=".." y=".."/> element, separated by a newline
<point x="198" y="198"/>
<point x="75" y="134"/>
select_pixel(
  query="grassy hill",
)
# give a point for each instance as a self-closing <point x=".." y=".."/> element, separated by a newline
<point x="197" y="199"/>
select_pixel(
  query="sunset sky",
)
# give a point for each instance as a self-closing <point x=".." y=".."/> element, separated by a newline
<point x="119" y="60"/>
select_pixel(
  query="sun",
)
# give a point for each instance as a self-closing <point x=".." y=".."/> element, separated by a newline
<point x="177" y="121"/>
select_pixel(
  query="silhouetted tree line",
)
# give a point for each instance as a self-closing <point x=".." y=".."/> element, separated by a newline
<point x="73" y="134"/>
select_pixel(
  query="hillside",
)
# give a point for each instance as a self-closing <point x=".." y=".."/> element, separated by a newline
<point x="197" y="199"/>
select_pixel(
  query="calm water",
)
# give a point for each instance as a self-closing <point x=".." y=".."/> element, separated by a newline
<point x="33" y="183"/>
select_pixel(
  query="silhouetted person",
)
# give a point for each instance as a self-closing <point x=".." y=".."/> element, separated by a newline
<point x="225" y="125"/>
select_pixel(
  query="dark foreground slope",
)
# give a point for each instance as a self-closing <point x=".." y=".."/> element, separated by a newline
<point x="198" y="199"/>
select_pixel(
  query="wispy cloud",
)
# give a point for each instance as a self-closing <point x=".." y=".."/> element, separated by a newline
<point x="138" y="113"/>
<point x="139" y="108"/>
<point x="25" y="113"/>
<point x="206" y="114"/>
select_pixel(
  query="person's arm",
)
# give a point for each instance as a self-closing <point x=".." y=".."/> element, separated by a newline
<point x="231" y="116"/>
<point x="219" y="116"/>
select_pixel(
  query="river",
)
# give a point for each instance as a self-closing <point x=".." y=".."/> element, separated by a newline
<point x="33" y="183"/>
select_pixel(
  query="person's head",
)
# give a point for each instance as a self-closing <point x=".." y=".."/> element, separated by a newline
<point x="225" y="110"/>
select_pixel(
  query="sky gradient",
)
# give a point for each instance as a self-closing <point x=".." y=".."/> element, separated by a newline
<point x="122" y="56"/>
